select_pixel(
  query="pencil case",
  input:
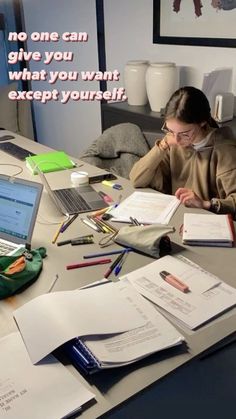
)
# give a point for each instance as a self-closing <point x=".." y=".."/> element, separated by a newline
<point x="152" y="240"/>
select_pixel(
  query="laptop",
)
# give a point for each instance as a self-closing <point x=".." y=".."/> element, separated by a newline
<point x="19" y="203"/>
<point x="74" y="200"/>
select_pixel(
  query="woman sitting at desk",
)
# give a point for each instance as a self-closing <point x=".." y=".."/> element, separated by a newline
<point x="196" y="160"/>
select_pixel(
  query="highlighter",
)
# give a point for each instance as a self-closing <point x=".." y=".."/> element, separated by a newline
<point x="112" y="184"/>
<point x="174" y="281"/>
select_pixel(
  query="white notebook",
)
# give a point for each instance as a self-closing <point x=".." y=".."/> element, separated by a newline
<point x="208" y="230"/>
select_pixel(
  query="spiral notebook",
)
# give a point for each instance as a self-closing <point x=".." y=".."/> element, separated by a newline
<point x="95" y="353"/>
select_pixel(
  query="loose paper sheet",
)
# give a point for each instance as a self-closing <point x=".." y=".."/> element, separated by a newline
<point x="46" y="391"/>
<point x="127" y="347"/>
<point x="207" y="298"/>
<point x="50" y="320"/>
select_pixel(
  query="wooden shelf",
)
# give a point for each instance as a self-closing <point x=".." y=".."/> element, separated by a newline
<point x="143" y="116"/>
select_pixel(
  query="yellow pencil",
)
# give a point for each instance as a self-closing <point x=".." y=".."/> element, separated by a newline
<point x="57" y="233"/>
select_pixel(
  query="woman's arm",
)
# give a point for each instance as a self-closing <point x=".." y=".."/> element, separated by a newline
<point x="153" y="169"/>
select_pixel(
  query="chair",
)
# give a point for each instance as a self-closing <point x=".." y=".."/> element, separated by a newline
<point x="119" y="147"/>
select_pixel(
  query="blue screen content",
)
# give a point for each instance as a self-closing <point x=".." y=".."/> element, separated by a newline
<point x="17" y="203"/>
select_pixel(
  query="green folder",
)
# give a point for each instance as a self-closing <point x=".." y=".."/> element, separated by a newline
<point x="49" y="162"/>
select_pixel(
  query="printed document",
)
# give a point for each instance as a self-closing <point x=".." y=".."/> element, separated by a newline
<point x="208" y="296"/>
<point x="45" y="391"/>
<point x="61" y="316"/>
<point x="157" y="334"/>
<point x="147" y="208"/>
<point x="208" y="229"/>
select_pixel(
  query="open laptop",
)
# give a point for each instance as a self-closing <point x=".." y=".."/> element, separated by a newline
<point x="19" y="203"/>
<point x="74" y="200"/>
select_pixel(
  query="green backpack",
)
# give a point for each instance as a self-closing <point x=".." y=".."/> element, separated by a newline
<point x="20" y="270"/>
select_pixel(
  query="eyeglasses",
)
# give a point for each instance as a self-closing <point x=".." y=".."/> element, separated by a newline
<point x="185" y="135"/>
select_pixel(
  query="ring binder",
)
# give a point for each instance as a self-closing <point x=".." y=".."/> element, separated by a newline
<point x="81" y="357"/>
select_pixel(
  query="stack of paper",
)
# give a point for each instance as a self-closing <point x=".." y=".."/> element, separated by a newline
<point x="147" y="208"/>
<point x="208" y="296"/>
<point x="125" y="348"/>
<point x="208" y="230"/>
<point x="59" y="317"/>
<point x="42" y="391"/>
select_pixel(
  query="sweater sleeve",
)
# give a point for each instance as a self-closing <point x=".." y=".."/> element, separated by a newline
<point x="226" y="181"/>
<point x="153" y="170"/>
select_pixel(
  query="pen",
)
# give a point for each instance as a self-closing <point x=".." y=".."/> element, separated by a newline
<point x="109" y="226"/>
<point x="85" y="240"/>
<point x="99" y="212"/>
<point x="90" y="224"/>
<point x="108" y="199"/>
<point x="175" y="282"/>
<point x="93" y="221"/>
<point x="53" y="283"/>
<point x="84" y="264"/>
<point x="112" y="252"/>
<point x="57" y="233"/>
<point x="121" y="263"/>
<point x="63" y="242"/>
<point x="113" y="265"/>
<point x="111" y="184"/>
<point x="65" y="225"/>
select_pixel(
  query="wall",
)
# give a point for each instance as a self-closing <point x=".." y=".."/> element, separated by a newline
<point x="73" y="125"/>
<point x="128" y="31"/>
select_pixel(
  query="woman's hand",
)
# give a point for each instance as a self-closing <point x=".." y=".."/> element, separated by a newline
<point x="190" y="199"/>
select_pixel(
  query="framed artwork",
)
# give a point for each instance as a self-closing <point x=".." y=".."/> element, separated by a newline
<point x="195" y="22"/>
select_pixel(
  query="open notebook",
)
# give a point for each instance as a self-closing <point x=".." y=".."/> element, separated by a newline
<point x="19" y="203"/>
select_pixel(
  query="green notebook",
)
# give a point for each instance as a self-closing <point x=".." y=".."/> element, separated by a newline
<point x="49" y="162"/>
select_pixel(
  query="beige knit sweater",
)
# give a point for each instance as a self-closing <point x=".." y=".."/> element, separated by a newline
<point x="210" y="172"/>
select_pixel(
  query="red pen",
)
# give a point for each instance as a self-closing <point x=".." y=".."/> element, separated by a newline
<point x="84" y="264"/>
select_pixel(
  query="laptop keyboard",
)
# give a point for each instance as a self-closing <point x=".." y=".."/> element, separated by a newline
<point x="72" y="201"/>
<point x="16" y="151"/>
<point x="6" y="248"/>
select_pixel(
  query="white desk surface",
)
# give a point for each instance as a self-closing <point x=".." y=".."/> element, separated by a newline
<point x="114" y="386"/>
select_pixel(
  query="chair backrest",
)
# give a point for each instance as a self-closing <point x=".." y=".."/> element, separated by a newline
<point x="151" y="137"/>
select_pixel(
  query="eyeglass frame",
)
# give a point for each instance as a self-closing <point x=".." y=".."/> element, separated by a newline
<point x="182" y="135"/>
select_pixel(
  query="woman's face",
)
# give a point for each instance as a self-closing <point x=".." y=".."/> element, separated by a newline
<point x="180" y="133"/>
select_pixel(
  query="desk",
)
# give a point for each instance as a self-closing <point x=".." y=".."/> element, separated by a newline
<point x="112" y="387"/>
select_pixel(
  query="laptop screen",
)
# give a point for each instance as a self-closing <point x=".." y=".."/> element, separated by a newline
<point x="19" y="202"/>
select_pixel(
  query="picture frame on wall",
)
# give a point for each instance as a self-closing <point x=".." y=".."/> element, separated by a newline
<point x="195" y="22"/>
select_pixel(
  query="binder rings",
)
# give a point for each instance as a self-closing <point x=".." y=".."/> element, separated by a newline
<point x="81" y="357"/>
<point x="49" y="162"/>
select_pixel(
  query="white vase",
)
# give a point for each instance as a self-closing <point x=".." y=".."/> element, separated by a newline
<point x="162" y="79"/>
<point x="135" y="82"/>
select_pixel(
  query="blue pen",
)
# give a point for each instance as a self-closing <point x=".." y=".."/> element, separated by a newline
<point x="112" y="252"/>
<point x="120" y="264"/>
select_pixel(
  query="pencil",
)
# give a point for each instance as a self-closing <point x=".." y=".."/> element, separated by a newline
<point x="53" y="283"/>
<point x="57" y="233"/>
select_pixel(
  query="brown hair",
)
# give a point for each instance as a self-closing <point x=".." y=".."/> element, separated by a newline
<point x="189" y="105"/>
